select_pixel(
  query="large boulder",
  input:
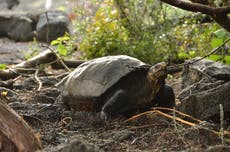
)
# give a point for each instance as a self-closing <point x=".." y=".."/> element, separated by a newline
<point x="205" y="104"/>
<point x="206" y="85"/>
<point x="17" y="26"/>
<point x="53" y="23"/>
<point x="21" y="26"/>
<point x="204" y="69"/>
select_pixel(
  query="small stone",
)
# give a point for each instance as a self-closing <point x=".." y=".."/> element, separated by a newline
<point x="76" y="144"/>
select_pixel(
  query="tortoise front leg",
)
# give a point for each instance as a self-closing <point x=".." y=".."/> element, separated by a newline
<point x="117" y="104"/>
<point x="165" y="97"/>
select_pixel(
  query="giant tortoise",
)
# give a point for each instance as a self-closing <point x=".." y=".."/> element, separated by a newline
<point x="116" y="85"/>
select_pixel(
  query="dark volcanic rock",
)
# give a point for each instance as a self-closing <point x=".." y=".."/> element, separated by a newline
<point x="21" y="26"/>
<point x="202" y="85"/>
<point x="205" y="104"/>
<point x="120" y="135"/>
<point x="206" y="86"/>
<point x="205" y="69"/>
<point x="17" y="26"/>
<point x="76" y="144"/>
<point x="57" y="25"/>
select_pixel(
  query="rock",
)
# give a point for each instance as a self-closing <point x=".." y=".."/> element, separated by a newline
<point x="198" y="87"/>
<point x="57" y="25"/>
<point x="21" y="26"/>
<point x="21" y="29"/>
<point x="204" y="69"/>
<point x="215" y="148"/>
<point x="207" y="86"/>
<point x="76" y="144"/>
<point x="9" y="4"/>
<point x="205" y="104"/>
<point x="120" y="135"/>
<point x="42" y="98"/>
<point x="17" y="26"/>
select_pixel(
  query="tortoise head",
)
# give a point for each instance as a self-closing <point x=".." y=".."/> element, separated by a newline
<point x="157" y="74"/>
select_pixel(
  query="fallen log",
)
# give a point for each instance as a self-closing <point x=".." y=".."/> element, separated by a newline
<point x="30" y="66"/>
<point x="15" y="133"/>
<point x="27" y="66"/>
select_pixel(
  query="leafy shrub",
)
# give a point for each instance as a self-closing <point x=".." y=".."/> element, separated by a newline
<point x="145" y="29"/>
<point x="108" y="35"/>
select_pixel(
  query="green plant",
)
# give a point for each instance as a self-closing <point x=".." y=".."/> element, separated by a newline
<point x="146" y="29"/>
<point x="219" y="36"/>
<point x="65" y="45"/>
<point x="34" y="47"/>
<point x="143" y="37"/>
<point x="3" y="66"/>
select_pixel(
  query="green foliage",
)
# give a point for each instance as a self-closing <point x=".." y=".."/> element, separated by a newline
<point x="146" y="29"/>
<point x="137" y="34"/>
<point x="65" y="45"/>
<point x="221" y="58"/>
<point x="199" y="39"/>
<point x="3" y="66"/>
<point x="105" y="35"/>
<point x="219" y="36"/>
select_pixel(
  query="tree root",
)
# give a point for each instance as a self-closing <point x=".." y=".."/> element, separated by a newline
<point x="15" y="133"/>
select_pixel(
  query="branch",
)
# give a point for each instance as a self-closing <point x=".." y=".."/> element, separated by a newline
<point x="219" y="14"/>
<point x="38" y="80"/>
<point x="57" y="56"/>
<point x="197" y="7"/>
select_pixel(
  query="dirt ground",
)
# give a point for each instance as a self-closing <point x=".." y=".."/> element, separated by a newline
<point x="55" y="124"/>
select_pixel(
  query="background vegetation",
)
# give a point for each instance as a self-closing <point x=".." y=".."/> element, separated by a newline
<point x="146" y="29"/>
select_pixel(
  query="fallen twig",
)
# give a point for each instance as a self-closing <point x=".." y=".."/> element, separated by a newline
<point x="38" y="80"/>
<point x="178" y="112"/>
<point x="226" y="133"/>
<point x="163" y="114"/>
<point x="176" y="128"/>
<point x="138" y="138"/>
<point x="145" y="126"/>
<point x="221" y="123"/>
<point x="57" y="56"/>
<point x="176" y="118"/>
<point x="139" y="115"/>
<point x="68" y="63"/>
<point x="66" y="121"/>
<point x="47" y="28"/>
